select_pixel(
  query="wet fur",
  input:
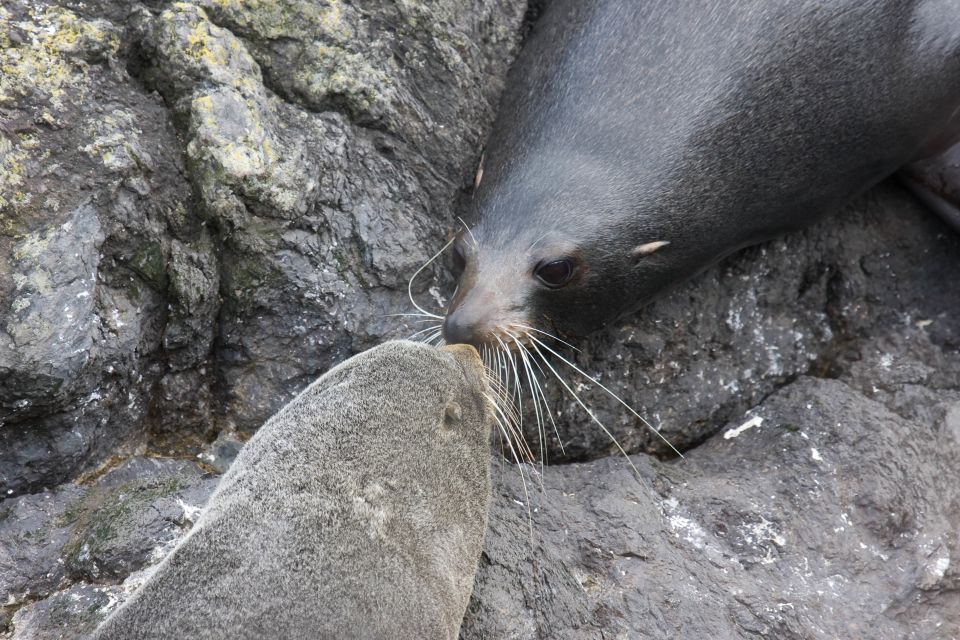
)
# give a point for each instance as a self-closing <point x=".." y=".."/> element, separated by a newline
<point x="711" y="126"/>
<point x="357" y="511"/>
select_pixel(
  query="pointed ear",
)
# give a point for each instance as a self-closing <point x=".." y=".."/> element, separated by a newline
<point x="648" y="248"/>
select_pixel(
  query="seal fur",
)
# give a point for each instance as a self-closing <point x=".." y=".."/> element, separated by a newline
<point x="640" y="142"/>
<point x="357" y="511"/>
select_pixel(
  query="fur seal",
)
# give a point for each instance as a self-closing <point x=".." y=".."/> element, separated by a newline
<point x="357" y="511"/>
<point x="638" y="143"/>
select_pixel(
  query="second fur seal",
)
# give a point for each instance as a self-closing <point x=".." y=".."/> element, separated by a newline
<point x="638" y="143"/>
<point x="357" y="511"/>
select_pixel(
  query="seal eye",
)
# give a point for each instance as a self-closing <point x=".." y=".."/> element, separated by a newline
<point x="555" y="273"/>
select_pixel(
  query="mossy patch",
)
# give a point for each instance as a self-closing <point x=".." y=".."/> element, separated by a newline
<point x="114" y="141"/>
<point x="150" y="263"/>
<point x="330" y="69"/>
<point x="103" y="520"/>
<point x="249" y="278"/>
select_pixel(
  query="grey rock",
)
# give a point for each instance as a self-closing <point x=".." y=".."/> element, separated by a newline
<point x="99" y="532"/>
<point x="832" y="518"/>
<point x="204" y="206"/>
<point x="32" y="535"/>
<point x="326" y="143"/>
<point x="131" y="516"/>
<point x="66" y="615"/>
<point x="91" y="198"/>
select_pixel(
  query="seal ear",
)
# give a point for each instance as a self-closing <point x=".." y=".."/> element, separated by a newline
<point x="452" y="415"/>
<point x="646" y="249"/>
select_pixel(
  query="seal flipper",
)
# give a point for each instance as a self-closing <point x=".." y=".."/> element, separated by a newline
<point x="936" y="182"/>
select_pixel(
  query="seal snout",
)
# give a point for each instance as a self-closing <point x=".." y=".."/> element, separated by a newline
<point x="460" y="328"/>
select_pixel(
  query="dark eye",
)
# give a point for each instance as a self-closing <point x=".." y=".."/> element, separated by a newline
<point x="555" y="273"/>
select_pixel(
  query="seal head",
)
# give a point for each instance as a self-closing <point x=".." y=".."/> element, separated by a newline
<point x="357" y="511"/>
<point x="640" y="142"/>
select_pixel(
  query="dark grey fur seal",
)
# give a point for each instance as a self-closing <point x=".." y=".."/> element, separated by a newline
<point x="357" y="511"/>
<point x="639" y="142"/>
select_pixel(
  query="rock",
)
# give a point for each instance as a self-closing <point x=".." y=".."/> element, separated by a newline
<point x="91" y="198"/>
<point x="326" y="145"/>
<point x="131" y="518"/>
<point x="205" y="205"/>
<point x="67" y="615"/>
<point x="217" y="201"/>
<point x="826" y="515"/>
<point x="127" y="518"/>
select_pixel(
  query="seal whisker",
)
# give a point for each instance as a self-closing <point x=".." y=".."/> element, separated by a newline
<point x="414" y="277"/>
<point x="435" y="336"/>
<point x="544" y="397"/>
<point x="609" y="392"/>
<point x="416" y="315"/>
<point x="433" y="328"/>
<point x="516" y="459"/>
<point x="507" y="408"/>
<point x="516" y="379"/>
<point x="513" y="436"/>
<point x="584" y="407"/>
<point x="536" y="388"/>
<point x="539" y="389"/>
<point x="531" y="379"/>
<point x="469" y="231"/>
<point x="549" y="335"/>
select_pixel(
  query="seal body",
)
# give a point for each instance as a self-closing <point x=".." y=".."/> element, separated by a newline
<point x="357" y="511"/>
<point x="639" y="142"/>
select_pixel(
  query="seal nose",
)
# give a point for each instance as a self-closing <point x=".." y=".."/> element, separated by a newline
<point x="458" y="329"/>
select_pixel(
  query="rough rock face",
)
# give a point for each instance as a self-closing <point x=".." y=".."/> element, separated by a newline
<point x="204" y="205"/>
<point x="835" y="518"/>
<point x="74" y="544"/>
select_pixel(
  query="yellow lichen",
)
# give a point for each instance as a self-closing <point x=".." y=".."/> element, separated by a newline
<point x="12" y="159"/>
<point x="114" y="140"/>
<point x="51" y="64"/>
<point x="203" y="47"/>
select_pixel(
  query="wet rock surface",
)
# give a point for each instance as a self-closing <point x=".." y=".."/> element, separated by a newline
<point x="203" y="206"/>
<point x="833" y="517"/>
<point x="82" y="538"/>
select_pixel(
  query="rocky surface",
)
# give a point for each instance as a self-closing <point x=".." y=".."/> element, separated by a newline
<point x="60" y="549"/>
<point x="834" y="517"/>
<point x="204" y="205"/>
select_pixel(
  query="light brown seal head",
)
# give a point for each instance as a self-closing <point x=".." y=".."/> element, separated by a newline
<point x="357" y="511"/>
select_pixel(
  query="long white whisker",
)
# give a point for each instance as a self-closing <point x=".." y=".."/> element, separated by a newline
<point x="545" y="404"/>
<point x="414" y="277"/>
<point x="549" y="335"/>
<point x="531" y="378"/>
<point x="513" y="434"/>
<point x="469" y="231"/>
<point x="584" y="407"/>
<point x="430" y="338"/>
<point x="415" y="315"/>
<point x="516" y="378"/>
<point x="611" y="393"/>
<point x="516" y="458"/>
<point x="435" y="327"/>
